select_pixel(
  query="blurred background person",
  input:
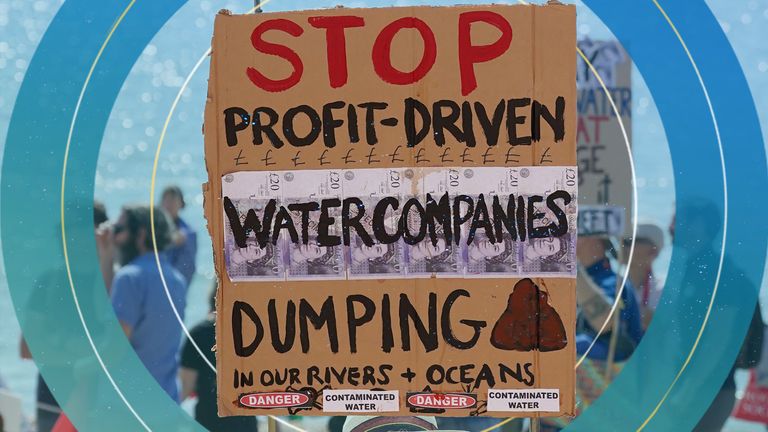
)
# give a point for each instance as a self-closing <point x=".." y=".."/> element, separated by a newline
<point x="396" y="423"/>
<point x="478" y="424"/>
<point x="105" y="247"/>
<point x="649" y="241"/>
<point x="12" y="418"/>
<point x="702" y="221"/>
<point x="183" y="249"/>
<point x="48" y="410"/>
<point x="139" y="296"/>
<point x="597" y="287"/>
<point x="198" y="378"/>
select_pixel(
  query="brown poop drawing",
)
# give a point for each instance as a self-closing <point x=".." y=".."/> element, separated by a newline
<point x="529" y="322"/>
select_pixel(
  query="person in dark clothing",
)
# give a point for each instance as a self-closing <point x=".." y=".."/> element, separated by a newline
<point x="702" y="219"/>
<point x="198" y="377"/>
<point x="592" y="253"/>
<point x="48" y="410"/>
<point x="148" y="294"/>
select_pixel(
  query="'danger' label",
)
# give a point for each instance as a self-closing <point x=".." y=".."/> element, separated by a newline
<point x="275" y="400"/>
<point x="524" y="400"/>
<point x="441" y="400"/>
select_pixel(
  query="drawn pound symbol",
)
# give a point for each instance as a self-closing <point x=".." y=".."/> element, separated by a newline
<point x="240" y="159"/>
<point x="545" y="157"/>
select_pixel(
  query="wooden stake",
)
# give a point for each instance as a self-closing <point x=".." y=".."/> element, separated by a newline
<point x="535" y="424"/>
<point x="615" y="328"/>
<point x="271" y="424"/>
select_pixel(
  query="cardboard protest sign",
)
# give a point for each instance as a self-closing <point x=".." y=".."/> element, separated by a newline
<point x="604" y="175"/>
<point x="392" y="202"/>
<point x="753" y="405"/>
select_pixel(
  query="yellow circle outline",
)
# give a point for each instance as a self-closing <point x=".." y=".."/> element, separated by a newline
<point x="152" y="214"/>
<point x="632" y="167"/>
<point x="62" y="207"/>
<point x="705" y="321"/>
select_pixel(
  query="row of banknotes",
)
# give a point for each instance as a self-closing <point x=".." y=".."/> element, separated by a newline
<point x="505" y="257"/>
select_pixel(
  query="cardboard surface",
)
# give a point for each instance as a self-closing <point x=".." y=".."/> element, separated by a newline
<point x="516" y="86"/>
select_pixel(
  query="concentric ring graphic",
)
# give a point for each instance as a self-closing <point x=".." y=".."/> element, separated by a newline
<point x="81" y="73"/>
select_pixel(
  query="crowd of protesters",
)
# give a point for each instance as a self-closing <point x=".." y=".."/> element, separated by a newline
<point x="149" y="294"/>
<point x="148" y="291"/>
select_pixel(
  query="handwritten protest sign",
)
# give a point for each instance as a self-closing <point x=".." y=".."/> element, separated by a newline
<point x="392" y="202"/>
<point x="753" y="405"/>
<point x="603" y="159"/>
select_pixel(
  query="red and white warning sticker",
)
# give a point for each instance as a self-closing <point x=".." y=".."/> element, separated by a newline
<point x="361" y="401"/>
<point x="441" y="400"/>
<point x="524" y="400"/>
<point x="275" y="400"/>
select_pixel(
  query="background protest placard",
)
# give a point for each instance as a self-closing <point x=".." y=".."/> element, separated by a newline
<point x="603" y="155"/>
<point x="392" y="202"/>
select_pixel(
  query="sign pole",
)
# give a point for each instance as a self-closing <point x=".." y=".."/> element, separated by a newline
<point x="616" y="327"/>
<point x="612" y="346"/>
<point x="271" y="422"/>
<point x="535" y="424"/>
